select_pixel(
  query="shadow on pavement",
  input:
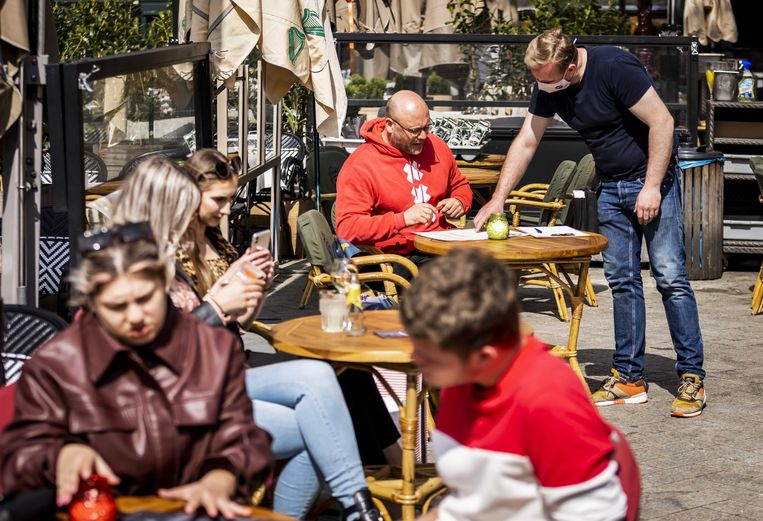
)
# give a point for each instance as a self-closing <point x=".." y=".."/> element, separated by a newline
<point x="659" y="370"/>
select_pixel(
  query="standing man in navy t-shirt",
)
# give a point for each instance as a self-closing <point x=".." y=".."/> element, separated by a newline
<point x="607" y="96"/>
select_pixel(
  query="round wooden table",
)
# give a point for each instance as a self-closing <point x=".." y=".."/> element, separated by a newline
<point x="304" y="337"/>
<point x="557" y="257"/>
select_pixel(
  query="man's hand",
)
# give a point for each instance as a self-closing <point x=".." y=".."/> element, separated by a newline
<point x="212" y="493"/>
<point x="420" y="213"/>
<point x="78" y="462"/>
<point x="648" y="204"/>
<point x="493" y="206"/>
<point x="451" y="208"/>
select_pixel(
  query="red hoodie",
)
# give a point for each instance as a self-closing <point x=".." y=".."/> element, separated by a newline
<point x="378" y="183"/>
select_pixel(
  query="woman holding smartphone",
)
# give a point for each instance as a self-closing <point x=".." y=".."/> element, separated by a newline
<point x="217" y="179"/>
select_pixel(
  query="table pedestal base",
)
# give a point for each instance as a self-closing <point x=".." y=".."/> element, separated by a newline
<point x="386" y="483"/>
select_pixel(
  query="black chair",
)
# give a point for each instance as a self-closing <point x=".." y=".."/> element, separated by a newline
<point x="293" y="180"/>
<point x="177" y="153"/>
<point x="95" y="168"/>
<point x="331" y="158"/>
<point x="24" y="330"/>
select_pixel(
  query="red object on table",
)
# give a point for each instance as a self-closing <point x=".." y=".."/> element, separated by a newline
<point x="93" y="501"/>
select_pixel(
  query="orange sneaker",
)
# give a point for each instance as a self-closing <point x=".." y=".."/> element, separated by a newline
<point x="691" y="397"/>
<point x="616" y="390"/>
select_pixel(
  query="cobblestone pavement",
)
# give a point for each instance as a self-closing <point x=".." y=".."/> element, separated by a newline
<point x="700" y="469"/>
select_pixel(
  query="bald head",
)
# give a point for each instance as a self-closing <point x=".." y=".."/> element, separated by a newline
<point x="406" y="104"/>
<point x="407" y="122"/>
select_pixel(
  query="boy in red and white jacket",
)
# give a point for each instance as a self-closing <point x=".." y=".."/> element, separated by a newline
<point x="517" y="436"/>
<point x="400" y="181"/>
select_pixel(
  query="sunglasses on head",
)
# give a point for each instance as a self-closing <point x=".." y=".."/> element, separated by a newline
<point x="97" y="240"/>
<point x="227" y="169"/>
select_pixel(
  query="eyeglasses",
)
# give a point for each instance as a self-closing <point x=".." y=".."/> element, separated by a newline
<point x="96" y="240"/>
<point x="413" y="132"/>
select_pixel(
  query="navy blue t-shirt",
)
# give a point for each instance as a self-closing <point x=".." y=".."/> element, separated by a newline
<point x="613" y="81"/>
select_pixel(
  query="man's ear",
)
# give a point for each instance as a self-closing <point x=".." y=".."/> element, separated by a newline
<point x="486" y="354"/>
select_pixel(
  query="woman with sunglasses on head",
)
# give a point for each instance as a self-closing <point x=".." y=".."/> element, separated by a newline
<point x="160" y="192"/>
<point x="217" y="179"/>
<point x="147" y="397"/>
<point x="171" y="201"/>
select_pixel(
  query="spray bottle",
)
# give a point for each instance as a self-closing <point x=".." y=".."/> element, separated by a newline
<point x="747" y="89"/>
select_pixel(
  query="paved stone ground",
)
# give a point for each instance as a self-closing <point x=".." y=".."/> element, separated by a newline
<point x="700" y="469"/>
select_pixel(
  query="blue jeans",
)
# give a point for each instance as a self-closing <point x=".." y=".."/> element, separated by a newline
<point x="301" y="405"/>
<point x="665" y="245"/>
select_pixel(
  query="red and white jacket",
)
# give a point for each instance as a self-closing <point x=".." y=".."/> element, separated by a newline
<point x="378" y="183"/>
<point x="532" y="447"/>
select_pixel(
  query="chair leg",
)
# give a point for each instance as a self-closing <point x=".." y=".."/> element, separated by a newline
<point x="306" y="293"/>
<point x="561" y="304"/>
<point x="590" y="294"/>
<point x="757" y="293"/>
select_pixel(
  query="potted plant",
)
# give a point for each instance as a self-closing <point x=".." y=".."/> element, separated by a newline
<point x="438" y="89"/>
<point x="364" y="89"/>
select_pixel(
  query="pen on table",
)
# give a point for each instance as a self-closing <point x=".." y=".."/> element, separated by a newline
<point x="539" y="231"/>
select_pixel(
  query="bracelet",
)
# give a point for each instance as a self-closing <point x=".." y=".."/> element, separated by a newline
<point x="222" y="314"/>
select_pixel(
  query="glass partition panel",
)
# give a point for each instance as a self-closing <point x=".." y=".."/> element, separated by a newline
<point x="475" y="83"/>
<point x="109" y="114"/>
<point x="106" y="115"/>
<point x="129" y="118"/>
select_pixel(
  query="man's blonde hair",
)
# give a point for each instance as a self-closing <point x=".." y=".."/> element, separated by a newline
<point x="552" y="46"/>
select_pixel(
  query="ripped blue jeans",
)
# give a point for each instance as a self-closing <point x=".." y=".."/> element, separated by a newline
<point x="665" y="245"/>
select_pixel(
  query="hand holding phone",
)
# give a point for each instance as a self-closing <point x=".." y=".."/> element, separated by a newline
<point x="261" y="239"/>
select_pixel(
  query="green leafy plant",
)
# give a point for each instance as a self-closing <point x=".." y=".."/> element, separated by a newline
<point x="159" y="31"/>
<point x="294" y="110"/>
<point x="581" y="17"/>
<point x="93" y="28"/>
<point x="360" y="88"/>
<point x="578" y="17"/>
<point x="504" y="75"/>
<point x="437" y="85"/>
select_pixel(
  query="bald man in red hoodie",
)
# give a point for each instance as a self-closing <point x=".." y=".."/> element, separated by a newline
<point x="402" y="180"/>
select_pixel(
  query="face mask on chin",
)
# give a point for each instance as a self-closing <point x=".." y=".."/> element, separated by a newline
<point x="554" y="87"/>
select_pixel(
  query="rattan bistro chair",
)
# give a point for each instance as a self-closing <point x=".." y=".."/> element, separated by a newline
<point x="539" y="204"/>
<point x="756" y="306"/>
<point x="553" y="201"/>
<point x="318" y="241"/>
<point x="547" y="198"/>
<point x="584" y="179"/>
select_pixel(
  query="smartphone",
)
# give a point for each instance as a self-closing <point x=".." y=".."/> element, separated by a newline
<point x="262" y="239"/>
<point x="391" y="334"/>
